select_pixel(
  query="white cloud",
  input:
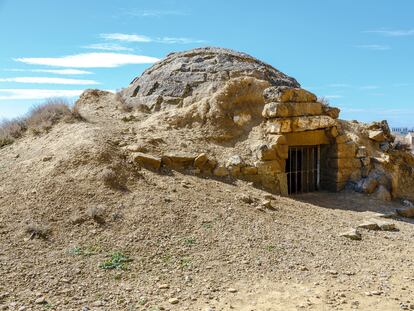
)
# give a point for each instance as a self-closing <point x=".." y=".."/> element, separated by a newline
<point x="145" y="39"/>
<point x="154" y="13"/>
<point x="333" y="96"/>
<point x="54" y="71"/>
<point x="375" y="47"/>
<point x="393" y="33"/>
<point x="107" y="47"/>
<point x="90" y="60"/>
<point x="125" y="37"/>
<point x="339" y="85"/>
<point x="369" y="87"/>
<point x="15" y="94"/>
<point x="46" y="80"/>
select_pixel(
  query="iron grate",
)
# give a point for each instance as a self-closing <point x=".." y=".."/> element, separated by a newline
<point x="302" y="169"/>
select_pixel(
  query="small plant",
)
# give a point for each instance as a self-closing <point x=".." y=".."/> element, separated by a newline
<point x="190" y="241"/>
<point x="270" y="248"/>
<point x="142" y="301"/>
<point x="75" y="251"/>
<point x="185" y="262"/>
<point x="324" y="101"/>
<point x="118" y="261"/>
<point x="38" y="231"/>
<point x="207" y="225"/>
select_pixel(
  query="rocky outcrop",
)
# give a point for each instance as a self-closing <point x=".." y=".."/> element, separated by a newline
<point x="184" y="78"/>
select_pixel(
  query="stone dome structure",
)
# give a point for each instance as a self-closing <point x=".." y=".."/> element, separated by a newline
<point x="183" y="78"/>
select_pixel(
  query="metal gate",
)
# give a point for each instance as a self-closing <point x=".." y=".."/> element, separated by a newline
<point x="302" y="169"/>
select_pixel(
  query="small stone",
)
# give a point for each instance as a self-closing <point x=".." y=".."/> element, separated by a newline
<point x="352" y="234"/>
<point x="370" y="225"/>
<point x="40" y="300"/>
<point x="384" y="225"/>
<point x="232" y="290"/>
<point x="47" y="158"/>
<point x="163" y="286"/>
<point x="173" y="301"/>
<point x="98" y="303"/>
<point x="267" y="204"/>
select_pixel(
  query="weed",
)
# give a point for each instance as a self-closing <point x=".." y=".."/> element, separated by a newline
<point x="190" y="241"/>
<point x="185" y="262"/>
<point x="75" y="251"/>
<point x="207" y="225"/>
<point x="117" y="261"/>
<point x="38" y="231"/>
<point x="270" y="248"/>
<point x="142" y="301"/>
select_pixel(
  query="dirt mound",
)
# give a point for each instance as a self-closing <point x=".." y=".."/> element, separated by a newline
<point x="141" y="211"/>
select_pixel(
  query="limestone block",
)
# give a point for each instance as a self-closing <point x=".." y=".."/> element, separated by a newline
<point x="311" y="123"/>
<point x="200" y="160"/>
<point x="344" y="163"/>
<point x="178" y="161"/>
<point x="147" y="161"/>
<point x="279" y="126"/>
<point x="309" y="138"/>
<point x="377" y="135"/>
<point x="299" y="124"/>
<point x="283" y="186"/>
<point x="277" y="140"/>
<point x="346" y="150"/>
<point x="334" y="131"/>
<point x="283" y="110"/>
<point x="265" y="153"/>
<point x="342" y="139"/>
<point x="282" y="151"/>
<point x="270" y="167"/>
<point x="285" y="94"/>
<point x="220" y="171"/>
<point x="270" y="182"/>
<point x="333" y="112"/>
<point x="249" y="170"/>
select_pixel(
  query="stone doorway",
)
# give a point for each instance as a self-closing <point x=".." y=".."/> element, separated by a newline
<point x="303" y="169"/>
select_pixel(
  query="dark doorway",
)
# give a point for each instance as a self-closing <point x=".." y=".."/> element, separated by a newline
<point x="302" y="169"/>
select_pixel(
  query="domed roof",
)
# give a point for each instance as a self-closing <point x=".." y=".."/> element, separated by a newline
<point x="185" y="77"/>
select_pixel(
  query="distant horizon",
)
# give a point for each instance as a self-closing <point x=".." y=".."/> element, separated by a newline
<point x="361" y="65"/>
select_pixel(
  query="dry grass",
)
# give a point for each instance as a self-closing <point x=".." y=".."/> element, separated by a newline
<point x="97" y="214"/>
<point x="324" y="101"/>
<point x="11" y="130"/>
<point x="40" y="119"/>
<point x="38" y="231"/>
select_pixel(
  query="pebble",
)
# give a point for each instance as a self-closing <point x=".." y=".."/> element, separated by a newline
<point x="40" y="300"/>
<point x="163" y="286"/>
<point x="173" y="301"/>
<point x="232" y="290"/>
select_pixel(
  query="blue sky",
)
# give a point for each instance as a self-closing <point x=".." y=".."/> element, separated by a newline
<point x="359" y="54"/>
